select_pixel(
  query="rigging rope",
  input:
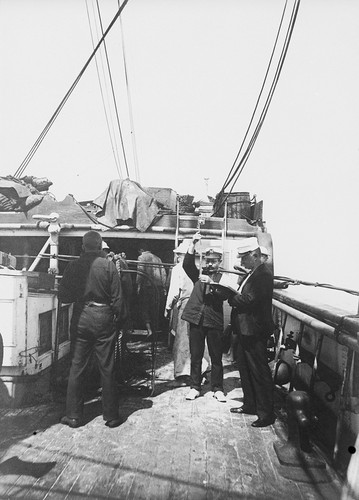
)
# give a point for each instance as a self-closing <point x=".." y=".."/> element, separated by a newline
<point x="291" y="281"/>
<point x="134" y="147"/>
<point x="236" y="171"/>
<point x="273" y="86"/>
<point x="44" y="132"/>
<point x="259" y="97"/>
<point x="244" y="160"/>
<point x="113" y="143"/>
<point x="113" y="93"/>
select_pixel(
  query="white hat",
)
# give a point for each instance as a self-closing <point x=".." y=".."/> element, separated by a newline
<point x="247" y="245"/>
<point x="105" y="246"/>
<point x="264" y="251"/>
<point x="182" y="247"/>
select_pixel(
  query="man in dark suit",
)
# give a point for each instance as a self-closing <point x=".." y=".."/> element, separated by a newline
<point x="253" y="323"/>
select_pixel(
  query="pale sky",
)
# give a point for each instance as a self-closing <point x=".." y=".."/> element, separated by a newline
<point x="195" y="69"/>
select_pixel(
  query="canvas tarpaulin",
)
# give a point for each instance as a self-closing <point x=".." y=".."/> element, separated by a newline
<point x="125" y="202"/>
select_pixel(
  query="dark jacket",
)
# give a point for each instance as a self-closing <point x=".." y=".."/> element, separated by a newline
<point x="202" y="304"/>
<point x="92" y="277"/>
<point x="252" y="308"/>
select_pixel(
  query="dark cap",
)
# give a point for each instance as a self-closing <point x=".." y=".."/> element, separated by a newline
<point x="212" y="253"/>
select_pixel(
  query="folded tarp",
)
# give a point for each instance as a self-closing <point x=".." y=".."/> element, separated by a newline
<point x="126" y="202"/>
<point x="17" y="196"/>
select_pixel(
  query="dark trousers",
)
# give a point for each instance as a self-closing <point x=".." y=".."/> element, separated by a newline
<point x="197" y="337"/>
<point x="152" y="310"/>
<point x="255" y="374"/>
<point x="93" y="332"/>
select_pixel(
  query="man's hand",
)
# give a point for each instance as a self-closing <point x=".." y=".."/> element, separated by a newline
<point x="231" y="300"/>
<point x="204" y="278"/>
<point x="196" y="238"/>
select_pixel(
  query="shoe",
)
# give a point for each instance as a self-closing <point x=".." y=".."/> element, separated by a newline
<point x="263" y="422"/>
<point x="242" y="409"/>
<point x="114" y="423"/>
<point x="71" y="422"/>
<point x="220" y="396"/>
<point x="192" y="394"/>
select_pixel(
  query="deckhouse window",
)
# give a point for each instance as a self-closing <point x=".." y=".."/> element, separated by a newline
<point x="45" y="330"/>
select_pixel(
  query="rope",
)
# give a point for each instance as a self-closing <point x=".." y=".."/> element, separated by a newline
<point x="291" y="281"/>
<point x="259" y="97"/>
<point x="269" y="98"/>
<point x="235" y="173"/>
<point x="113" y="92"/>
<point x="44" y="132"/>
<point x="113" y="144"/>
<point x="134" y="147"/>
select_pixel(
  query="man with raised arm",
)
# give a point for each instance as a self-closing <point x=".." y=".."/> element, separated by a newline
<point x="204" y="312"/>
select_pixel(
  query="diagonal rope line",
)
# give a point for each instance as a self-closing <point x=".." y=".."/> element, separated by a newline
<point x="259" y="97"/>
<point x="234" y="175"/>
<point x="109" y="126"/>
<point x="134" y="146"/>
<point x="271" y="92"/>
<point x="113" y="93"/>
<point x="44" y="132"/>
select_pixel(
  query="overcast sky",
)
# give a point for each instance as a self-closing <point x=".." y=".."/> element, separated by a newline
<point x="195" y="69"/>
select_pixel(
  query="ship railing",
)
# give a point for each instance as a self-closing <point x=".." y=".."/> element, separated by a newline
<point x="321" y="329"/>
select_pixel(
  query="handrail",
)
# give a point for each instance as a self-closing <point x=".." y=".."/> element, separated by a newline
<point x="330" y="331"/>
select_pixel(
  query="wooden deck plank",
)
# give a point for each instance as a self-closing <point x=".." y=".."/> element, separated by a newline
<point x="168" y="448"/>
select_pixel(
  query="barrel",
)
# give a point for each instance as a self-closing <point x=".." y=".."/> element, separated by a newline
<point x="238" y="205"/>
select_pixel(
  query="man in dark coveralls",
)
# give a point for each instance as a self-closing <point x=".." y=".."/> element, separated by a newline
<point x="93" y="285"/>
<point x="151" y="266"/>
<point x="204" y="312"/>
<point x="253" y="323"/>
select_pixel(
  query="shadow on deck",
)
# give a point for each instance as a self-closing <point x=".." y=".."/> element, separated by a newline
<point x="167" y="447"/>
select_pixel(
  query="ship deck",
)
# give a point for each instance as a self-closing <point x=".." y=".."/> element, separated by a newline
<point x="167" y="448"/>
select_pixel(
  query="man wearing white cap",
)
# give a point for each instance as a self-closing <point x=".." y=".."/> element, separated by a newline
<point x="204" y="312"/>
<point x="252" y="314"/>
<point x="264" y="254"/>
